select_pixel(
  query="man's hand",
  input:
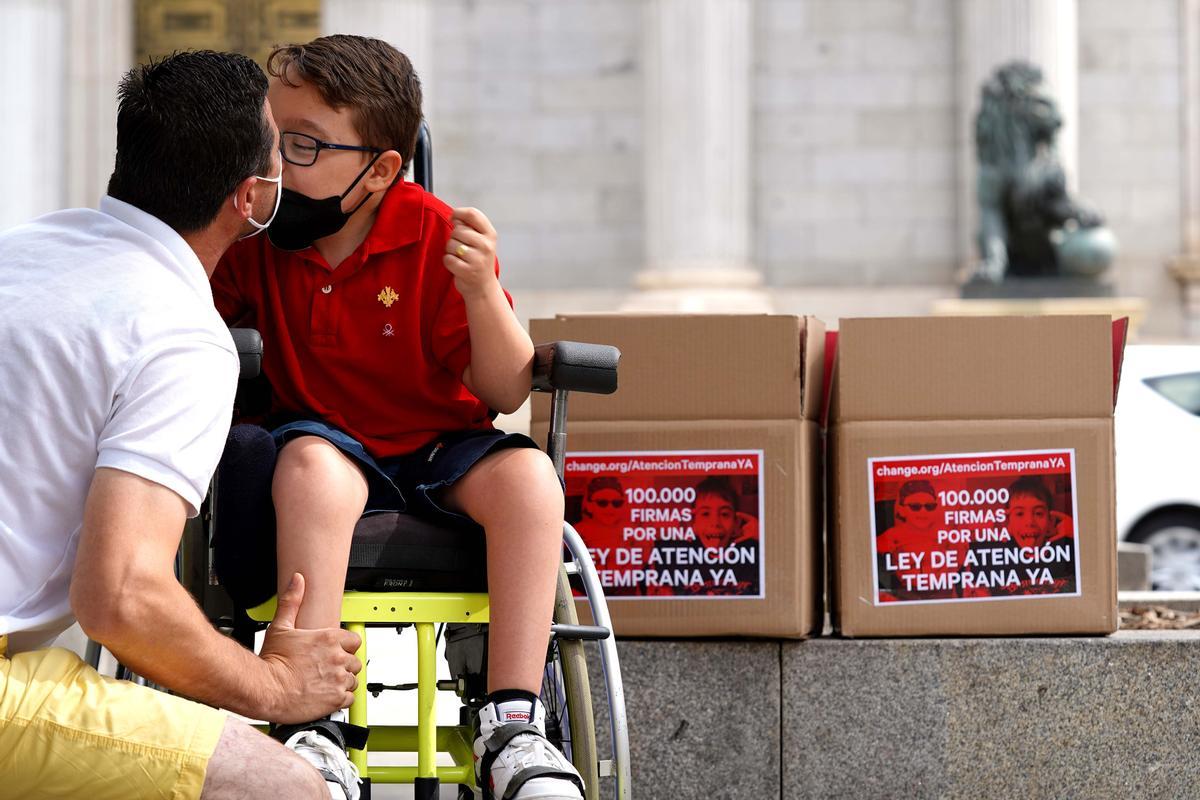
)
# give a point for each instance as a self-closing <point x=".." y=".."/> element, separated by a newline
<point x="313" y="670"/>
<point x="471" y="253"/>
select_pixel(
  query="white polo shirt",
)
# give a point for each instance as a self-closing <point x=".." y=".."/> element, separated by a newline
<point x="111" y="355"/>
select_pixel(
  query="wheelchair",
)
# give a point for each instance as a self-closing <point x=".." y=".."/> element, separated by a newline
<point x="406" y="572"/>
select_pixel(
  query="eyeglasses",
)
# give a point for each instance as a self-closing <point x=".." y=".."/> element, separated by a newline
<point x="302" y="150"/>
<point x="919" y="506"/>
<point x="607" y="503"/>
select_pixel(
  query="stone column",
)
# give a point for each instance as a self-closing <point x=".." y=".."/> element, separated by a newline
<point x="993" y="32"/>
<point x="697" y="159"/>
<point x="32" y="40"/>
<point x="99" y="51"/>
<point x="405" y="24"/>
<point x="1186" y="267"/>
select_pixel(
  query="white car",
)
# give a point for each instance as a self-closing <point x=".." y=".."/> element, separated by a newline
<point x="1158" y="460"/>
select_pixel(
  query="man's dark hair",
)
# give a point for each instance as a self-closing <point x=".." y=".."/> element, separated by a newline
<point x="1033" y="487"/>
<point x="190" y="128"/>
<point x="721" y="487"/>
<point x="370" y="77"/>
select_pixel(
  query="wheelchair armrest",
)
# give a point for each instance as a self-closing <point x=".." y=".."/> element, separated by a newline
<point x="575" y="367"/>
<point x="250" y="351"/>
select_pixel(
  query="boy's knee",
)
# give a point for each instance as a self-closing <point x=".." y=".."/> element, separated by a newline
<point x="313" y="458"/>
<point x="518" y="478"/>
<point x="528" y="469"/>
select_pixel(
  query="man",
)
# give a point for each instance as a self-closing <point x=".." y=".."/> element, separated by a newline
<point x="118" y="379"/>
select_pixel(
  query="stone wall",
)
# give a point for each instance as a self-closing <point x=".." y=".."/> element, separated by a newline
<point x="855" y="151"/>
<point x="539" y="111"/>
<point x="537" y="108"/>
<point x="916" y="718"/>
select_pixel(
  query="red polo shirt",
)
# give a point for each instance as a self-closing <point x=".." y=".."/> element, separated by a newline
<point x="376" y="347"/>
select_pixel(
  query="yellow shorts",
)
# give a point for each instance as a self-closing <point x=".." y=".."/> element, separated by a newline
<point x="68" y="731"/>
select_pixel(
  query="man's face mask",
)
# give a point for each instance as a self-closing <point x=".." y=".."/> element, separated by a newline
<point x="259" y="227"/>
<point x="303" y="220"/>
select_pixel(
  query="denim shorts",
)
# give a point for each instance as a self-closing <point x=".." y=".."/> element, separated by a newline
<point x="411" y="483"/>
<point x="244" y="531"/>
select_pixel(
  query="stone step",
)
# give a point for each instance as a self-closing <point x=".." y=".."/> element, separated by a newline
<point x="915" y="718"/>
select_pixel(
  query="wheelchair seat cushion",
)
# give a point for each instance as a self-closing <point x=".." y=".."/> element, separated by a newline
<point x="401" y="552"/>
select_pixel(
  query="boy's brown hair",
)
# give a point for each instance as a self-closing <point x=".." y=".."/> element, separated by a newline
<point x="372" y="78"/>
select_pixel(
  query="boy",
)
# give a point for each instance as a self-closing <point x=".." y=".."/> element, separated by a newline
<point x="388" y="338"/>
<point x="1033" y="526"/>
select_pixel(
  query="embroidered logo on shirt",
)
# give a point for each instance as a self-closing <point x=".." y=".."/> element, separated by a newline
<point x="387" y="297"/>
<point x="388" y="330"/>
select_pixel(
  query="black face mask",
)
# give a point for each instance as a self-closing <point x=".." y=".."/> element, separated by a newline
<point x="302" y="220"/>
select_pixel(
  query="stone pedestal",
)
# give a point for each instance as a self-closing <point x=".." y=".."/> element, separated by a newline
<point x="1116" y="307"/>
<point x="1038" y="717"/>
<point x="1035" y="288"/>
<point x="914" y="718"/>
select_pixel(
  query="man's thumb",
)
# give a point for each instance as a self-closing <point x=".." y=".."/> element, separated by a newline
<point x="288" y="605"/>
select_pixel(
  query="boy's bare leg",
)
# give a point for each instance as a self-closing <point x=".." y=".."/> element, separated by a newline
<point x="249" y="764"/>
<point x="515" y="495"/>
<point x="319" y="495"/>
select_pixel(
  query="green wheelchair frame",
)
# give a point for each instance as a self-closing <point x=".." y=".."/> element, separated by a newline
<point x="559" y="368"/>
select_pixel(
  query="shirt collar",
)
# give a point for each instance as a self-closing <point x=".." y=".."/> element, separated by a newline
<point x="398" y="221"/>
<point x="191" y="268"/>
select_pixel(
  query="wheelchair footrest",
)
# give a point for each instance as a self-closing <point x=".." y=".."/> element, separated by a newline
<point x="587" y="633"/>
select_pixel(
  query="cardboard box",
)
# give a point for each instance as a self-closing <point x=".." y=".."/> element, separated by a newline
<point x="706" y="404"/>
<point x="971" y="476"/>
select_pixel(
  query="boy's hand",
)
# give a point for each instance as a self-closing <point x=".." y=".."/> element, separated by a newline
<point x="471" y="252"/>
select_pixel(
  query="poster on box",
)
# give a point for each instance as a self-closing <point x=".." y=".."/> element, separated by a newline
<point x="975" y="526"/>
<point x="673" y="524"/>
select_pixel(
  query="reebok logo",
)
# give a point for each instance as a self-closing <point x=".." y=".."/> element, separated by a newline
<point x="516" y="716"/>
<point x="437" y="448"/>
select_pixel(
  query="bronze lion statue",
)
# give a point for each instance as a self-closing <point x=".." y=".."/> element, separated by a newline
<point x="1029" y="226"/>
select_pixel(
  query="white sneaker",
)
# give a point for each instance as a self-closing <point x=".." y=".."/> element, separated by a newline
<point x="523" y="751"/>
<point x="341" y="776"/>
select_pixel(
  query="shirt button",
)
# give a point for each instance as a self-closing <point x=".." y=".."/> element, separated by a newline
<point x="326" y="289"/>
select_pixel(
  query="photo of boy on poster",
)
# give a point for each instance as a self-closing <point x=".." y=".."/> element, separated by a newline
<point x="1032" y="523"/>
<point x="603" y="512"/>
<point x="914" y="532"/>
<point x="719" y="526"/>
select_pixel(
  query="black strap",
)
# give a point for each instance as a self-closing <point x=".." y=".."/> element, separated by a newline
<point x="492" y="747"/>
<point x="343" y="734"/>
<point x="497" y="742"/>
<point x="529" y="773"/>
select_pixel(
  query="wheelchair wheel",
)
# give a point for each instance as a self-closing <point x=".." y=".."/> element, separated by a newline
<point x="567" y="696"/>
